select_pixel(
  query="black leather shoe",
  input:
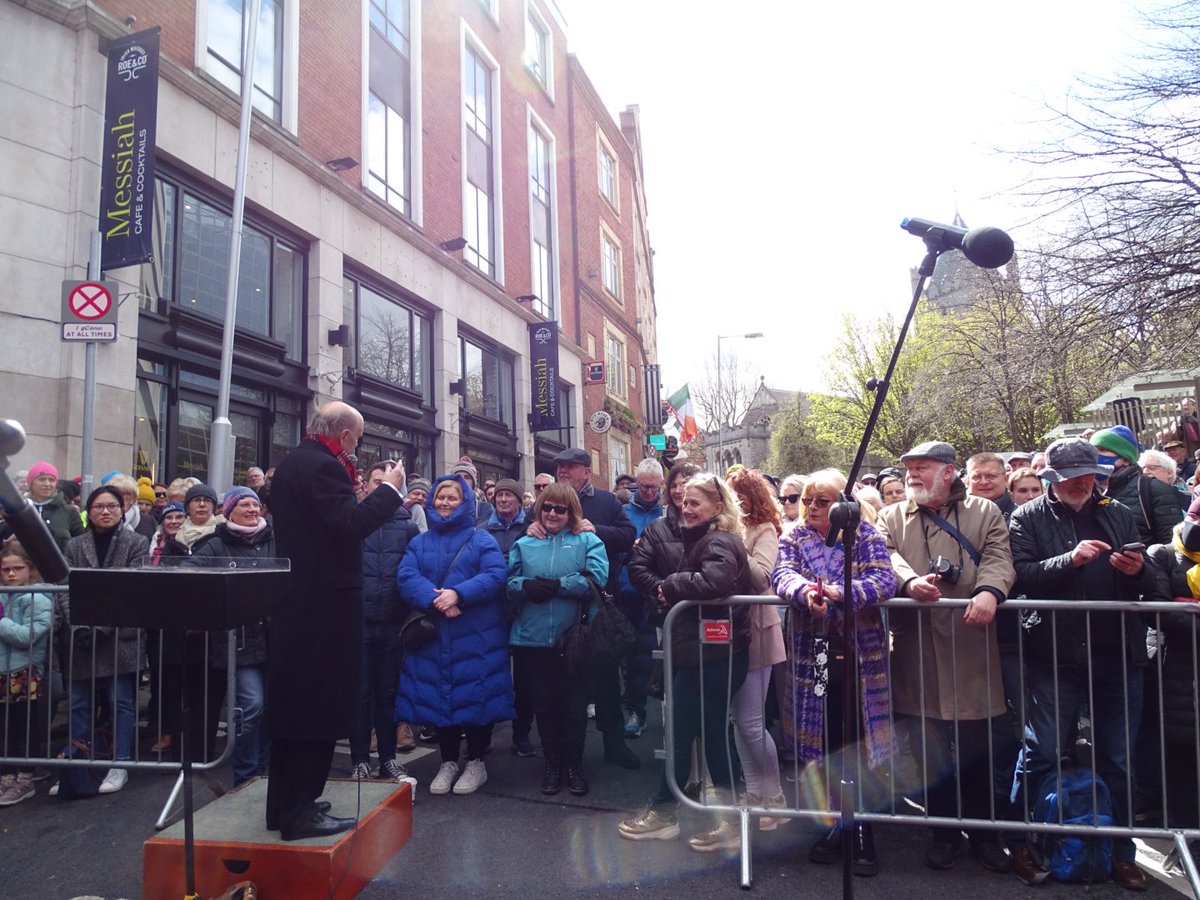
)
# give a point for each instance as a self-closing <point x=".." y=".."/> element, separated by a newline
<point x="1127" y="874"/>
<point x="865" y="863"/>
<point x="552" y="780"/>
<point x="576" y="780"/>
<point x="322" y="806"/>
<point x="315" y="824"/>
<point x="615" y="751"/>
<point x="828" y="849"/>
<point x="989" y="854"/>
<point x="1026" y="868"/>
<point x="941" y="855"/>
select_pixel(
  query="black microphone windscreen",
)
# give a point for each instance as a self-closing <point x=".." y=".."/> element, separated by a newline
<point x="987" y="247"/>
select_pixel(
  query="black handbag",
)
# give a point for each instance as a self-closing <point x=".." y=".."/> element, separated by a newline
<point x="598" y="638"/>
<point x="417" y="631"/>
<point x="419" y="628"/>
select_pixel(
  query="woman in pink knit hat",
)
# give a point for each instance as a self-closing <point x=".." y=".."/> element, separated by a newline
<point x="61" y="517"/>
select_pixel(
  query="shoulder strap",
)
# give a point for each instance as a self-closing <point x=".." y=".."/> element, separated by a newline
<point x="967" y="546"/>
<point x="1144" y="500"/>
<point x="457" y="553"/>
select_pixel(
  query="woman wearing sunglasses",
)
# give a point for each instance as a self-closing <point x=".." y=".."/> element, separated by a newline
<point x="809" y="574"/>
<point x="547" y="581"/>
<point x="789" y="500"/>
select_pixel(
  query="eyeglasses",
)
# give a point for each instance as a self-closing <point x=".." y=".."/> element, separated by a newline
<point x="819" y="502"/>
<point x="104" y="507"/>
<point x="160" y="494"/>
<point x="540" y="487"/>
<point x="790" y="498"/>
<point x="1149" y="466"/>
<point x="555" y="508"/>
<point x="985" y="476"/>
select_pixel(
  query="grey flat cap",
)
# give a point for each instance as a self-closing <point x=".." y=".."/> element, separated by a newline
<point x="939" y="451"/>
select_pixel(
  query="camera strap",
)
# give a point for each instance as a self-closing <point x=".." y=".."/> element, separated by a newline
<point x="967" y="546"/>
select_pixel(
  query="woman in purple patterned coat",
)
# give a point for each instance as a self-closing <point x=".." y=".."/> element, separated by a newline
<point x="810" y="575"/>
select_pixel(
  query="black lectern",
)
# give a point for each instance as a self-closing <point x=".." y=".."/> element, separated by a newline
<point x="188" y="595"/>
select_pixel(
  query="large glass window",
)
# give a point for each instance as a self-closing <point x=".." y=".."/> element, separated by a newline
<point x="615" y="358"/>
<point x="608" y="176"/>
<point x="541" y="236"/>
<point x="191" y="265"/>
<point x="479" y="227"/>
<point x="389" y="133"/>
<point x="537" y="48"/>
<point x="150" y="422"/>
<point x="610" y="260"/>
<point x="227" y="27"/>
<point x="393" y="340"/>
<point x="487" y="382"/>
<point x="195" y="426"/>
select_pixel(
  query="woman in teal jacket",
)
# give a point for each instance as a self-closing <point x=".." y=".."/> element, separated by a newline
<point x="547" y="581"/>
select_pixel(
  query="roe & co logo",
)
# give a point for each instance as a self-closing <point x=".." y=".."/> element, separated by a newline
<point x="132" y="61"/>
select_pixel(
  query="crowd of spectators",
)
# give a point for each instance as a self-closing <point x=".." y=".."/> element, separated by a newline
<point x="968" y="707"/>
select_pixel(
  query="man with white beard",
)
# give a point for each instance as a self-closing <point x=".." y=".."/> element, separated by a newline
<point x="946" y="683"/>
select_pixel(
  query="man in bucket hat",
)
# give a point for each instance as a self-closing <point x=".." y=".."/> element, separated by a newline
<point x="1074" y="543"/>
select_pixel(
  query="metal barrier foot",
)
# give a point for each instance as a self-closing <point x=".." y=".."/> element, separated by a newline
<point x="1184" y="856"/>
<point x="744" y="822"/>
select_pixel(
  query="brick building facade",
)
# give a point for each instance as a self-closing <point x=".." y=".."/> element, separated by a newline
<point x="425" y="180"/>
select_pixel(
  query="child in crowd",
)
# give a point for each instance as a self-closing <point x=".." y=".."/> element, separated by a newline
<point x="24" y="658"/>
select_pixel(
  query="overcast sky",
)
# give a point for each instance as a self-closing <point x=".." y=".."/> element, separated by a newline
<point x="785" y="141"/>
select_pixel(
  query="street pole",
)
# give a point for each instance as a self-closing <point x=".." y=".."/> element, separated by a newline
<point x="720" y="403"/>
<point x="86" y="461"/>
<point x="221" y="446"/>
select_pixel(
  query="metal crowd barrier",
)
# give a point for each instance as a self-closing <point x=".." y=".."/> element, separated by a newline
<point x="47" y="741"/>
<point x="915" y="797"/>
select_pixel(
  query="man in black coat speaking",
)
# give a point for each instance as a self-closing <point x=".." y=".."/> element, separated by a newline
<point x="316" y="636"/>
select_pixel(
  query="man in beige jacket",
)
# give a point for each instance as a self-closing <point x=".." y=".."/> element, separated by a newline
<point x="945" y="662"/>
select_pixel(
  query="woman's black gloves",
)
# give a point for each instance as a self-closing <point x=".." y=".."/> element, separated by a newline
<point x="539" y="590"/>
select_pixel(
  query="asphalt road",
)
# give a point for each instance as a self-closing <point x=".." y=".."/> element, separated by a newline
<point x="506" y="840"/>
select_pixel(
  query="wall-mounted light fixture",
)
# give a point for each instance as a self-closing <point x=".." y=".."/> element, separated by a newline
<point x="527" y="298"/>
<point x="458" y="387"/>
<point x="453" y="244"/>
<point x="593" y="273"/>
<point x="340" y="336"/>
<point x="342" y="163"/>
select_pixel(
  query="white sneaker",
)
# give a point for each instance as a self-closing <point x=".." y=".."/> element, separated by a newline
<point x="473" y="778"/>
<point x="360" y="772"/>
<point x="114" y="781"/>
<point x="53" y="792"/>
<point x="444" y="779"/>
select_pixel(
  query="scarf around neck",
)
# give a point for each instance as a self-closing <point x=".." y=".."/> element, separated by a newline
<point x="336" y="449"/>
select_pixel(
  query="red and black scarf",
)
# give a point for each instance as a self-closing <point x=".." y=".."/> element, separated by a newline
<point x="336" y="449"/>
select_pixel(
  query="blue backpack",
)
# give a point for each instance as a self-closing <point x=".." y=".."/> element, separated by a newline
<point x="1072" y="857"/>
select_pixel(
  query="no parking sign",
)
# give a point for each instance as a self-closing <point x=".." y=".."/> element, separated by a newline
<point x="89" y="310"/>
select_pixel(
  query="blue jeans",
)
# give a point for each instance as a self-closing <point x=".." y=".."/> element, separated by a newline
<point x="1116" y="704"/>
<point x="120" y="693"/>
<point x="250" y="750"/>
<point x="688" y="686"/>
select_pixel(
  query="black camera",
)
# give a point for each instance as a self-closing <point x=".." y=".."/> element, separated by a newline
<point x="944" y="569"/>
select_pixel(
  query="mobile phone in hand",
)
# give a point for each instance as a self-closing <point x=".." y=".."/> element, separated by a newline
<point x="1135" y="547"/>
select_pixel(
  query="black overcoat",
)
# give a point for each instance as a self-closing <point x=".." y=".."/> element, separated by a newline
<point x="316" y="636"/>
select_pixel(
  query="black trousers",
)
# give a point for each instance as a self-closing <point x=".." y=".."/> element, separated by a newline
<point x="557" y="699"/>
<point x="297" y="778"/>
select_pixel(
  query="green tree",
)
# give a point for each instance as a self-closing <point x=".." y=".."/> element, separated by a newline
<point x="795" y="446"/>
<point x="861" y="353"/>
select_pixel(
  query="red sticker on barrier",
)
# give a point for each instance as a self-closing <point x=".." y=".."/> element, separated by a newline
<point x="717" y="631"/>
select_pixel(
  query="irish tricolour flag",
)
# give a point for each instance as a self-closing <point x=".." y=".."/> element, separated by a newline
<point x="680" y="404"/>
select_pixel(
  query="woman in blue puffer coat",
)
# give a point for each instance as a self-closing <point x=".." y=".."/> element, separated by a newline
<point x="547" y="579"/>
<point x="460" y="681"/>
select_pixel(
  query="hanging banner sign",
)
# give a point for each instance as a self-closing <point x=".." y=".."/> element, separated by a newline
<point x="543" y="376"/>
<point x="127" y="167"/>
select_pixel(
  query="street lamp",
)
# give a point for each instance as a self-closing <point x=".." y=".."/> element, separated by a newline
<point x="720" y="410"/>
